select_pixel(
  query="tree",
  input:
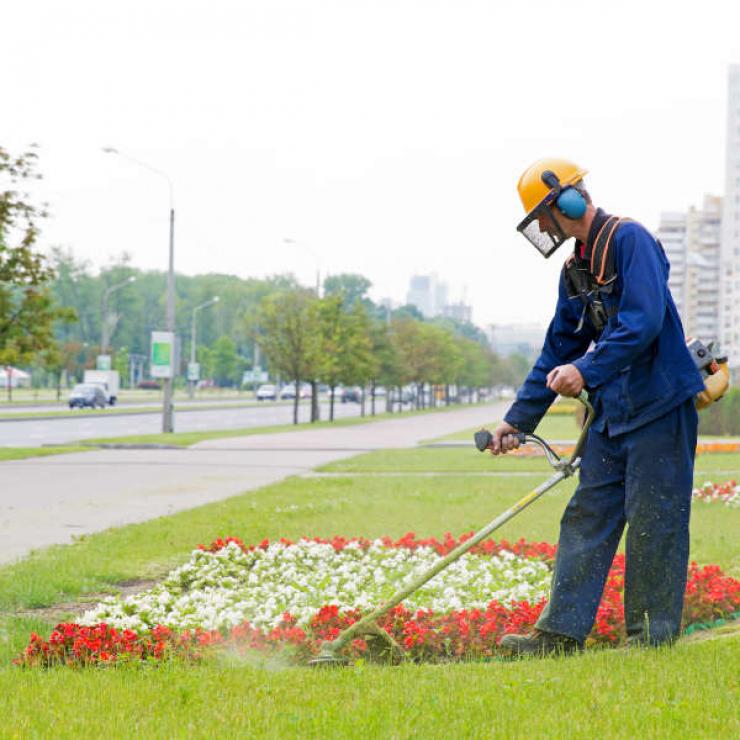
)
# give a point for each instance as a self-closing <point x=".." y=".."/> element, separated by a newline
<point x="349" y="286"/>
<point x="289" y="336"/>
<point x="226" y="363"/>
<point x="383" y="368"/>
<point x="360" y="365"/>
<point x="27" y="309"/>
<point x="345" y="344"/>
<point x="408" y="311"/>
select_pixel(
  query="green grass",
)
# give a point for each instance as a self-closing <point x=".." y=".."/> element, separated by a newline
<point x="469" y="460"/>
<point x="552" y="427"/>
<point x="684" y="692"/>
<point x="21" y="453"/>
<point x="185" y="439"/>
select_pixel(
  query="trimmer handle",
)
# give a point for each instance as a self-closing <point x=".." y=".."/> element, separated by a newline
<point x="484" y="438"/>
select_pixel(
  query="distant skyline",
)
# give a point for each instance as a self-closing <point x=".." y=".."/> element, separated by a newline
<point x="383" y="138"/>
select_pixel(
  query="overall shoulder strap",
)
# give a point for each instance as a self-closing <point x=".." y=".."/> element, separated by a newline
<point x="603" y="264"/>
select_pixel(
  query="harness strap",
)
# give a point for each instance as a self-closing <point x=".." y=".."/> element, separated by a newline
<point x="602" y="265"/>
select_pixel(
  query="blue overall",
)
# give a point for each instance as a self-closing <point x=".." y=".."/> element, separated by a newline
<point x="637" y="467"/>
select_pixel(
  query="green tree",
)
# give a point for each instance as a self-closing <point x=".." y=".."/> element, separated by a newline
<point x="27" y="308"/>
<point x="349" y="286"/>
<point x="226" y="363"/>
<point x="345" y="344"/>
<point x="360" y="365"/>
<point x="289" y="336"/>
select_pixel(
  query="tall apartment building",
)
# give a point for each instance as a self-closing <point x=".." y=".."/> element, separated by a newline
<point x="428" y="293"/>
<point x="702" y="298"/>
<point x="692" y="244"/>
<point x="672" y="235"/>
<point x="730" y="242"/>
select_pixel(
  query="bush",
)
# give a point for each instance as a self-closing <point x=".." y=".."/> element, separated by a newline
<point x="722" y="417"/>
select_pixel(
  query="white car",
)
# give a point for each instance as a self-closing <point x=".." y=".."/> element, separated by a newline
<point x="288" y="392"/>
<point x="266" y="392"/>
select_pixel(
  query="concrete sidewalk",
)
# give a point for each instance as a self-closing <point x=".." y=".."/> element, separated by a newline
<point x="45" y="501"/>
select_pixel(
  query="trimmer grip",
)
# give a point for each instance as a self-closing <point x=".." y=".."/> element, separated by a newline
<point x="483" y="439"/>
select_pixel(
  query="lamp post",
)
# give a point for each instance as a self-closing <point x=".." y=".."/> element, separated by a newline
<point x="104" y="330"/>
<point x="215" y="299"/>
<point x="168" y="422"/>
<point x="294" y="242"/>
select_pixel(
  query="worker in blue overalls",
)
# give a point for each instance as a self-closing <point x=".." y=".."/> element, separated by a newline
<point x="616" y="332"/>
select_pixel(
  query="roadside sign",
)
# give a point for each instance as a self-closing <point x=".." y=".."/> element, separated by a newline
<point x="103" y="362"/>
<point x="254" y="376"/>
<point x="194" y="371"/>
<point x="162" y="355"/>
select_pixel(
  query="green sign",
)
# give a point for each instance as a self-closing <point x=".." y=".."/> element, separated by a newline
<point x="103" y="362"/>
<point x="193" y="371"/>
<point x="163" y="352"/>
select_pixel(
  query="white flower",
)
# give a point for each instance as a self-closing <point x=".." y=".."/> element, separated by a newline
<point x="223" y="589"/>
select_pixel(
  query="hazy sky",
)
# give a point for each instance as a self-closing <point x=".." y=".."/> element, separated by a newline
<point x="384" y="137"/>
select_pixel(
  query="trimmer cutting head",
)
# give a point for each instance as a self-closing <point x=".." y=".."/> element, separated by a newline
<point x="380" y="647"/>
<point x="327" y="659"/>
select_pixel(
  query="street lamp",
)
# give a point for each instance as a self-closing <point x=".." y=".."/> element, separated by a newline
<point x="213" y="300"/>
<point x="168" y="422"/>
<point x="294" y="242"/>
<point x="104" y="329"/>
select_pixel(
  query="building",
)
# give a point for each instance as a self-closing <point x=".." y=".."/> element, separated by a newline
<point x="730" y="241"/>
<point x="459" y="311"/>
<point x="15" y="376"/>
<point x="428" y="294"/>
<point x="692" y="244"/>
<point x="702" y="296"/>
<point x="672" y="235"/>
<point x="523" y="339"/>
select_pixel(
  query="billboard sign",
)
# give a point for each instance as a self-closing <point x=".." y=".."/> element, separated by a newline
<point x="162" y="358"/>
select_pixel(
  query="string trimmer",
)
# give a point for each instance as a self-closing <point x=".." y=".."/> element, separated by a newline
<point x="368" y="628"/>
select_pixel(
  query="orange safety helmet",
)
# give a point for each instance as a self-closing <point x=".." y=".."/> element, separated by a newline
<point x="543" y="184"/>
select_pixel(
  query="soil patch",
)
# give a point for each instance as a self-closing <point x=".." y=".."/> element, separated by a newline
<point x="67" y="611"/>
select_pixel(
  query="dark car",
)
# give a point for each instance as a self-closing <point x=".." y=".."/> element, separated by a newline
<point x="87" y="394"/>
<point x="150" y="385"/>
<point x="351" y="395"/>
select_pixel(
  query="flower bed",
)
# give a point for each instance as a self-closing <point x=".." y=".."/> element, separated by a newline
<point x="727" y="493"/>
<point x="297" y="594"/>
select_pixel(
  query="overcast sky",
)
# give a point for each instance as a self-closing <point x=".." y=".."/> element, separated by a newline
<point x="385" y="138"/>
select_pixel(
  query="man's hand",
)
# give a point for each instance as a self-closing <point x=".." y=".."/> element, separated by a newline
<point x="503" y="439"/>
<point x="565" y="380"/>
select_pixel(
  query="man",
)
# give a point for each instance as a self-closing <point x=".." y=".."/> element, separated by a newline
<point x="616" y="333"/>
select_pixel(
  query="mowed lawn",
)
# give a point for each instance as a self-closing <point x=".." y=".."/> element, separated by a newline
<point x="687" y="691"/>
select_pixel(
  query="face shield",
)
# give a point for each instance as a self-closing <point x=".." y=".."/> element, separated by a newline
<point x="541" y="229"/>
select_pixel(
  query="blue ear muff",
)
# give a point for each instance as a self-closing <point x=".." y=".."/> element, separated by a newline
<point x="571" y="203"/>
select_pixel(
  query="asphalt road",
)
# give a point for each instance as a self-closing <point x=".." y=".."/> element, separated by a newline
<point x="35" y="433"/>
<point x="45" y="501"/>
<point x="55" y="408"/>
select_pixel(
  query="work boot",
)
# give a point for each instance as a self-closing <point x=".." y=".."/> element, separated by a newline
<point x="539" y="644"/>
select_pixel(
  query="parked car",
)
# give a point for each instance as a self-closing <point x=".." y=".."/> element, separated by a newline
<point x="87" y="394"/>
<point x="266" y="392"/>
<point x="288" y="391"/>
<point x="352" y="394"/>
<point x="150" y="385"/>
<point x="406" y="396"/>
